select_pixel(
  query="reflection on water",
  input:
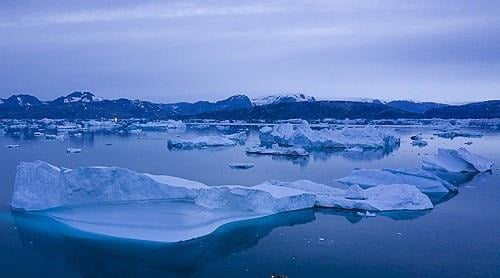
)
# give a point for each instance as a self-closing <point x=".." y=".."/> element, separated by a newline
<point x="97" y="256"/>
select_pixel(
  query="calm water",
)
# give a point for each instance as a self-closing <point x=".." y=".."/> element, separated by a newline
<point x="460" y="237"/>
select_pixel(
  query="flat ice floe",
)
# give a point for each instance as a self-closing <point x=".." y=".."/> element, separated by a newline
<point x="104" y="200"/>
<point x="367" y="137"/>
<point x="200" y="142"/>
<point x="277" y="150"/>
<point x="421" y="179"/>
<point x="460" y="160"/>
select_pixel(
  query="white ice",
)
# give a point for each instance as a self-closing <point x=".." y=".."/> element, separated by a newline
<point x="423" y="180"/>
<point x="111" y="200"/>
<point x="460" y="160"/>
<point x="367" y="137"/>
<point x="200" y="142"/>
<point x="277" y="150"/>
<point x="73" y="150"/>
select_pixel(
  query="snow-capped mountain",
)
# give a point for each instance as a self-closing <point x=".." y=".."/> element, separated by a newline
<point x="20" y="101"/>
<point x="78" y="97"/>
<point x="275" y="99"/>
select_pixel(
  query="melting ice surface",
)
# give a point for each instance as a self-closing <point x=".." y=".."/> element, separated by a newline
<point x="158" y="221"/>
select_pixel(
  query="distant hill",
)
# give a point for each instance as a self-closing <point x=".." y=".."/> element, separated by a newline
<point x="313" y="110"/>
<point x="485" y="109"/>
<point x="85" y="105"/>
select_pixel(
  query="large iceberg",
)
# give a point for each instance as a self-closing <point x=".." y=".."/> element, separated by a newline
<point x="367" y="137"/>
<point x="76" y="196"/>
<point x="460" y="160"/>
<point x="200" y="142"/>
<point x="423" y="180"/>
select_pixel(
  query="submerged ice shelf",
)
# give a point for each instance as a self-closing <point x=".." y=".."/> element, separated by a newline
<point x="82" y="197"/>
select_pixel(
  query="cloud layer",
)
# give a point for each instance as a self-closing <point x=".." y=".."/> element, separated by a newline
<point x="188" y="50"/>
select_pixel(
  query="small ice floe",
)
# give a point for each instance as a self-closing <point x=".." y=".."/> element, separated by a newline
<point x="458" y="133"/>
<point x="460" y="160"/>
<point x="417" y="140"/>
<point x="37" y="134"/>
<point x="77" y="135"/>
<point x="425" y="181"/>
<point x="14" y="146"/>
<point x="239" y="136"/>
<point x="468" y="143"/>
<point x="136" y="131"/>
<point x="366" y="214"/>
<point x="303" y="135"/>
<point x="240" y="165"/>
<point x="54" y="137"/>
<point x="277" y="150"/>
<point x="73" y="150"/>
<point x="222" y="127"/>
<point x="200" y="142"/>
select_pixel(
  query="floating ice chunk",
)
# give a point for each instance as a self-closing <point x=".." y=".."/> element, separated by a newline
<point x="12" y="146"/>
<point x="417" y="140"/>
<point x="468" y="143"/>
<point x="423" y="180"/>
<point x="239" y="136"/>
<point x="366" y="214"/>
<point x="240" y="165"/>
<point x="37" y="134"/>
<point x="277" y="150"/>
<point x="73" y="150"/>
<point x="200" y="142"/>
<point x="460" y="160"/>
<point x="367" y="137"/>
<point x="222" y="127"/>
<point x="54" y="137"/>
<point x="458" y="133"/>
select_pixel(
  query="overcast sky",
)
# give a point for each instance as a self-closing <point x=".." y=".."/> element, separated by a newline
<point x="189" y="50"/>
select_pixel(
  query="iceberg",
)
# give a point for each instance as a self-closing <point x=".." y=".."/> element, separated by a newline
<point x="367" y="137"/>
<point x="102" y="200"/>
<point x="238" y="137"/>
<point x="460" y="160"/>
<point x="425" y="181"/>
<point x="200" y="142"/>
<point x="277" y="150"/>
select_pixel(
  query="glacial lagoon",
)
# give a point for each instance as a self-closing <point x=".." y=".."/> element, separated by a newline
<point x="458" y="238"/>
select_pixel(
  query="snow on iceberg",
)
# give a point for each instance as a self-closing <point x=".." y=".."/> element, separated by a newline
<point x="379" y="198"/>
<point x="277" y="150"/>
<point x="367" y="137"/>
<point x="460" y="160"/>
<point x="423" y="180"/>
<point x="200" y="142"/>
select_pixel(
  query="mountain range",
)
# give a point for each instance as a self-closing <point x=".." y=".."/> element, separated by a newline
<point x="85" y="105"/>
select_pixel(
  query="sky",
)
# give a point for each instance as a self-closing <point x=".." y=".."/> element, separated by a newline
<point x="168" y="51"/>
